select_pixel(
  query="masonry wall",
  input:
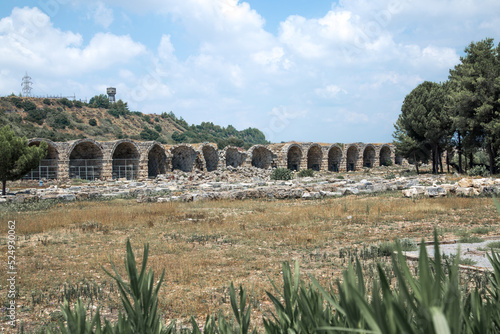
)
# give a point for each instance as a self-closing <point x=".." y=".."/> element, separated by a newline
<point x="148" y="159"/>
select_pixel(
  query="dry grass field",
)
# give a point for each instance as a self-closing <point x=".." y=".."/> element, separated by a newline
<point x="203" y="246"/>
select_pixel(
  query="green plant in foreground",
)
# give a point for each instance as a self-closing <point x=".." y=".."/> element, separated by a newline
<point x="281" y="174"/>
<point x="306" y="173"/>
<point x="434" y="301"/>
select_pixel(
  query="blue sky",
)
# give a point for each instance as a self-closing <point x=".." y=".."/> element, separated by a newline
<point x="318" y="71"/>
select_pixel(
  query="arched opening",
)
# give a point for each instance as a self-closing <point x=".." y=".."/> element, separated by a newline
<point x="334" y="159"/>
<point x="234" y="157"/>
<point x="157" y="161"/>
<point x="85" y="161"/>
<point x="351" y="158"/>
<point x="183" y="158"/>
<point x="211" y="157"/>
<point x="47" y="169"/>
<point x="314" y="158"/>
<point x="369" y="157"/>
<point x="385" y="156"/>
<point x="125" y="161"/>
<point x="262" y="157"/>
<point x="398" y="160"/>
<point x="294" y="156"/>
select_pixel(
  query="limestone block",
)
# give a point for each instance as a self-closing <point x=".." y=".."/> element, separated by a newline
<point x="435" y="191"/>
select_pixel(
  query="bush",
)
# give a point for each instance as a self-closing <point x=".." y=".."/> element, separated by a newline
<point x="65" y="102"/>
<point x="281" y="174"/>
<point x="47" y="102"/>
<point x="92" y="122"/>
<point x="78" y="104"/>
<point x="479" y="170"/>
<point x="149" y="134"/>
<point x="306" y="173"/>
<point x="158" y="128"/>
<point x="28" y="105"/>
<point x="37" y="116"/>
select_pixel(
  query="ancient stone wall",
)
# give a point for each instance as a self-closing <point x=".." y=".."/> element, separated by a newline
<point x="87" y="158"/>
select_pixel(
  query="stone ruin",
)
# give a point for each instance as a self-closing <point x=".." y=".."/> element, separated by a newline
<point x="128" y="159"/>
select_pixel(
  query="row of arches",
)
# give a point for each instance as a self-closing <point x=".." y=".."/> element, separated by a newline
<point x="314" y="157"/>
<point x="90" y="160"/>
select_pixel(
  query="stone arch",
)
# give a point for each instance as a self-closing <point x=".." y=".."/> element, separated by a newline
<point x="125" y="160"/>
<point x="294" y="157"/>
<point x="369" y="156"/>
<point x="262" y="157"/>
<point x="48" y="167"/>
<point x="334" y="158"/>
<point x="85" y="160"/>
<point x="314" y="157"/>
<point x="157" y="160"/>
<point x="211" y="157"/>
<point x="385" y="156"/>
<point x="351" y="158"/>
<point x="183" y="157"/>
<point x="234" y="157"/>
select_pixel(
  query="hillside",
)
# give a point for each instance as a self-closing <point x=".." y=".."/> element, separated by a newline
<point x="63" y="120"/>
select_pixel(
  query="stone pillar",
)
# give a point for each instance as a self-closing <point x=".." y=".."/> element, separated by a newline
<point x="63" y="169"/>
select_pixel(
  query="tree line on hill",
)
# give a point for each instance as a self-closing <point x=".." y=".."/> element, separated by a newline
<point x="53" y="116"/>
<point x="460" y="116"/>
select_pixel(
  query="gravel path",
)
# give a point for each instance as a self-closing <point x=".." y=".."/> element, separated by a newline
<point x="467" y="251"/>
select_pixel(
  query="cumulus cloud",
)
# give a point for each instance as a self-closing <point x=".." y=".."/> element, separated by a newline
<point x="330" y="91"/>
<point x="29" y="40"/>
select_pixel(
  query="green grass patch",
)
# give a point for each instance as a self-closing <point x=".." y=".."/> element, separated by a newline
<point x="470" y="240"/>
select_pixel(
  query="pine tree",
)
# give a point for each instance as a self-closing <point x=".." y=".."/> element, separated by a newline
<point x="476" y="97"/>
<point x="16" y="157"/>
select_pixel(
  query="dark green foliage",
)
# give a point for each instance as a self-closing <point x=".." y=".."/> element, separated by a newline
<point x="17" y="158"/>
<point x="28" y="105"/>
<point x="178" y="137"/>
<point x="158" y="128"/>
<point x="475" y="98"/>
<point x="281" y="174"/>
<point x="47" y="102"/>
<point x="478" y="171"/>
<point x="37" y="115"/>
<point x="78" y="104"/>
<point x="18" y="102"/>
<point x="306" y="173"/>
<point x="58" y="120"/>
<point x="99" y="101"/>
<point x="92" y="122"/>
<point x="424" y="125"/>
<point x="65" y="102"/>
<point x="149" y="134"/>
<point x="119" y="108"/>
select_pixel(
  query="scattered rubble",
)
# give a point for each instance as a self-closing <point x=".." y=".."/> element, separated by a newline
<point x="250" y="182"/>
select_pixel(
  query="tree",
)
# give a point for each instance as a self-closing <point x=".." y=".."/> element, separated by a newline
<point x="424" y="123"/>
<point x="476" y="97"/>
<point x="17" y="157"/>
<point x="99" y="101"/>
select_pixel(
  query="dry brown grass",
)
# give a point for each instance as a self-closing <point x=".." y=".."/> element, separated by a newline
<point x="203" y="246"/>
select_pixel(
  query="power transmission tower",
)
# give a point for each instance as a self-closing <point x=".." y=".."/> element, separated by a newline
<point x="26" y="85"/>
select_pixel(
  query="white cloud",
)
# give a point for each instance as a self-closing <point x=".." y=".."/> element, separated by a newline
<point x="330" y="91"/>
<point x="28" y="40"/>
<point x="103" y="15"/>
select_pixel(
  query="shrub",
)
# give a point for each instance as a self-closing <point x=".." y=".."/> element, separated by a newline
<point x="28" y="105"/>
<point x="281" y="174"/>
<point x="65" y="102"/>
<point x="149" y="134"/>
<point x="47" y="102"/>
<point x="306" y="173"/>
<point x="78" y="104"/>
<point x="92" y="122"/>
<point x="158" y="128"/>
<point x="37" y="116"/>
<point x="479" y="170"/>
